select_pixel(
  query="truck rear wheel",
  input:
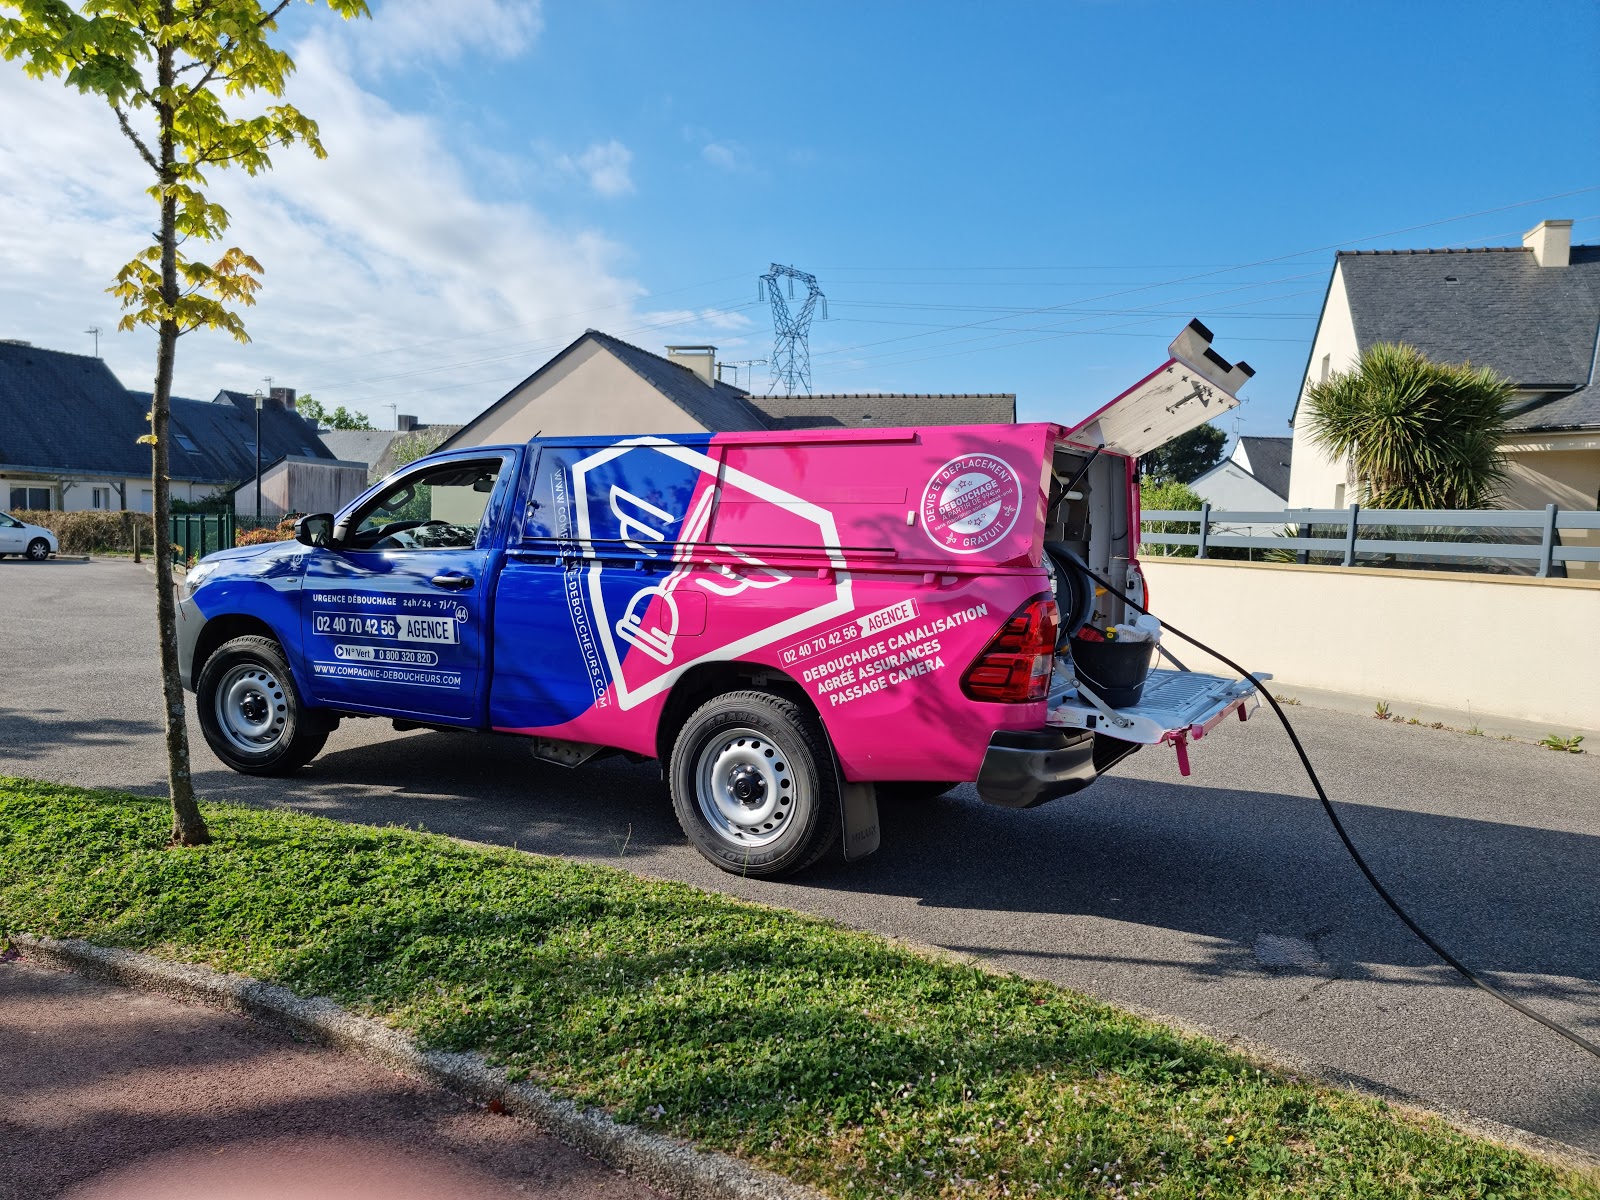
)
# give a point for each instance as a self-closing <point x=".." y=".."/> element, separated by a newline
<point x="250" y="713"/>
<point x="754" y="786"/>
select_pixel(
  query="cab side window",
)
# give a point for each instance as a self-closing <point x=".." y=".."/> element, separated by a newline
<point x="438" y="508"/>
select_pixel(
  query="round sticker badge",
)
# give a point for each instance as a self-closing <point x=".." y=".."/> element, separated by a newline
<point x="971" y="503"/>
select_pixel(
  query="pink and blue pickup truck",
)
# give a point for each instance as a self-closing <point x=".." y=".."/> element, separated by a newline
<point x="792" y="623"/>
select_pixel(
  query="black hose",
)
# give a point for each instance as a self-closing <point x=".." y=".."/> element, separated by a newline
<point x="1327" y="806"/>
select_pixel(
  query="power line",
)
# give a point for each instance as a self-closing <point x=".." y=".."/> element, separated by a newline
<point x="1280" y="258"/>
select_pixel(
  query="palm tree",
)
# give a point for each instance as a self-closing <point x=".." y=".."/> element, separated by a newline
<point x="1421" y="434"/>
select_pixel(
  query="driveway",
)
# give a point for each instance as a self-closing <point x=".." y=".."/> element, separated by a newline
<point x="1223" y="900"/>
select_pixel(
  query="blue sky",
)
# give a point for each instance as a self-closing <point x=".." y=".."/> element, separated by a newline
<point x="1027" y="198"/>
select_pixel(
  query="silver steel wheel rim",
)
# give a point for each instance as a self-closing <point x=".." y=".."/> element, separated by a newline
<point x="745" y="788"/>
<point x="38" y="549"/>
<point x="252" y="708"/>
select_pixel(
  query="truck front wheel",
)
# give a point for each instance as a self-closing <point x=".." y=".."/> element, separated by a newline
<point x="754" y="786"/>
<point x="251" y="714"/>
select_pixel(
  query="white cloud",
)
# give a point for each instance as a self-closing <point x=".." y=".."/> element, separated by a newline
<point x="408" y="32"/>
<point x="729" y="156"/>
<point x="713" y="320"/>
<point x="605" y="166"/>
<point x="388" y="275"/>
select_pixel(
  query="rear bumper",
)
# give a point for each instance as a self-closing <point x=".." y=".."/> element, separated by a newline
<point x="1026" y="768"/>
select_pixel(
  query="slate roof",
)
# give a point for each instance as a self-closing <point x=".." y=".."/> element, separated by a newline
<point x="358" y="445"/>
<point x="888" y="410"/>
<point x="1574" y="410"/>
<point x="376" y="447"/>
<point x="222" y="431"/>
<point x="65" y="413"/>
<point x="1493" y="307"/>
<point x="1267" y="458"/>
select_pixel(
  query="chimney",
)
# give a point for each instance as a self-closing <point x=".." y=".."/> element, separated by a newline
<point x="1551" y="243"/>
<point x="405" y="422"/>
<point x="282" y="397"/>
<point x="702" y="360"/>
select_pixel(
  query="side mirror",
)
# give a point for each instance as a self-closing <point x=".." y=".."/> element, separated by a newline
<point x="316" y="529"/>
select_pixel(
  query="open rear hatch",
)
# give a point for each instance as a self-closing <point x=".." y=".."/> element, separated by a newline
<point x="1093" y="523"/>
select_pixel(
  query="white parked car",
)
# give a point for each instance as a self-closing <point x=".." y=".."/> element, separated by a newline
<point x="29" y="541"/>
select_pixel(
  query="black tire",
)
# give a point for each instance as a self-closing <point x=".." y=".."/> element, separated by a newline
<point x="779" y="751"/>
<point x="38" y="550"/>
<point x="912" y="791"/>
<point x="246" y="685"/>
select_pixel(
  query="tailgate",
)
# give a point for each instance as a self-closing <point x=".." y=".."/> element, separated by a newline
<point x="1175" y="707"/>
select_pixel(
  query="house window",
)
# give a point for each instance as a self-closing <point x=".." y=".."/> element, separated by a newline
<point x="250" y="449"/>
<point x="1327" y="364"/>
<point x="36" y="498"/>
<point x="102" y="497"/>
<point x="183" y="440"/>
<point x="1338" y="495"/>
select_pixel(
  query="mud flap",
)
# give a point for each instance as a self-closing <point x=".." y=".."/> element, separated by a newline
<point x="858" y="811"/>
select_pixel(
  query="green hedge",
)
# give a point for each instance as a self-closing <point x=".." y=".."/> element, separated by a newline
<point x="96" y="531"/>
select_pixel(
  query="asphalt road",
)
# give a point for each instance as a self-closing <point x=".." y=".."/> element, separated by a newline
<point x="1223" y="900"/>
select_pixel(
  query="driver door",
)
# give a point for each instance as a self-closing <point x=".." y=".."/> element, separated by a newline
<point x="392" y="615"/>
<point x="11" y="540"/>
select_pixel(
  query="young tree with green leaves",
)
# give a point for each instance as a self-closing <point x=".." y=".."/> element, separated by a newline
<point x="1158" y="495"/>
<point x="340" y="418"/>
<point x="1186" y="457"/>
<point x="165" y="68"/>
<point x="1420" y="434"/>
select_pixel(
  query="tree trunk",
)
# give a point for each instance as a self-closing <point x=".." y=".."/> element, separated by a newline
<point x="188" y="826"/>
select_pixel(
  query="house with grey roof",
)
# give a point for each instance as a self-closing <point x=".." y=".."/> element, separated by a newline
<point x="1253" y="478"/>
<point x="602" y="385"/>
<point x="69" y="436"/>
<point x="1531" y="312"/>
<point x="382" y="450"/>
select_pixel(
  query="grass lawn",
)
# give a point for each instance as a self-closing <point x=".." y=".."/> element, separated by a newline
<point x="829" y="1055"/>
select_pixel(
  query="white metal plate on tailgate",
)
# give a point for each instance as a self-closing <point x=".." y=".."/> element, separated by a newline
<point x="1171" y="701"/>
<point x="1194" y="385"/>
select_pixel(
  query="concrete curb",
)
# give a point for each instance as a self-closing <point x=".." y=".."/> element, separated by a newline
<point x="673" y="1166"/>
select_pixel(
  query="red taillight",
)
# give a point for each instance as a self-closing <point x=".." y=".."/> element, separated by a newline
<point x="1143" y="593"/>
<point x="1014" y="667"/>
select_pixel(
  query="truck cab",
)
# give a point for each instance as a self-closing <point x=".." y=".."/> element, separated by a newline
<point x="790" y="622"/>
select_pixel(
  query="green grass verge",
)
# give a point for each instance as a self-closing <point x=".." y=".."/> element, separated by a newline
<point x="833" y="1056"/>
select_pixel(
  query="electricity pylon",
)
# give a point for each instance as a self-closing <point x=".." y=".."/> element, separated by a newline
<point x="791" y="351"/>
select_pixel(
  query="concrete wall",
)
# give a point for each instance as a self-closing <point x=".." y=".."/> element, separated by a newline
<point x="1495" y="645"/>
<point x="1314" y="479"/>
<point x="591" y="391"/>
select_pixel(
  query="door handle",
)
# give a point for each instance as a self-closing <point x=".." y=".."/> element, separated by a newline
<point x="455" y="582"/>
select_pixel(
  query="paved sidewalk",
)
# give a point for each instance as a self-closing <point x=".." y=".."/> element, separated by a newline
<point x="110" y="1093"/>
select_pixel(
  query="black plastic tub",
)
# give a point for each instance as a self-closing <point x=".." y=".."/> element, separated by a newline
<point x="1114" y="671"/>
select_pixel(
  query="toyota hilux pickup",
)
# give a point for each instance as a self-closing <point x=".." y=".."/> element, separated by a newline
<point x="791" y="622"/>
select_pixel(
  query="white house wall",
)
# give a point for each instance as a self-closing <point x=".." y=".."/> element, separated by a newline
<point x="1229" y="486"/>
<point x="590" y="391"/>
<point x="76" y="493"/>
<point x="1314" y="479"/>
